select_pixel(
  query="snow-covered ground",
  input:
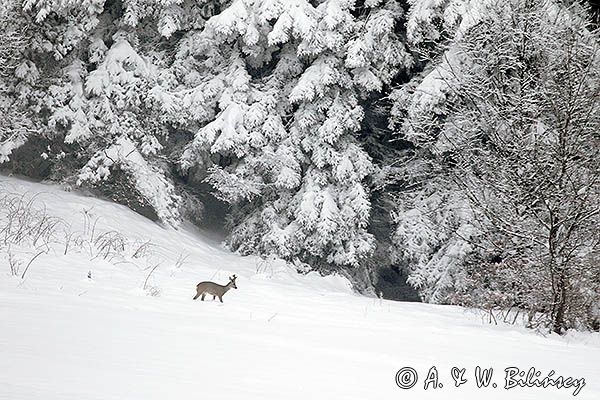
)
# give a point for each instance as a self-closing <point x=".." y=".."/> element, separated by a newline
<point x="281" y="335"/>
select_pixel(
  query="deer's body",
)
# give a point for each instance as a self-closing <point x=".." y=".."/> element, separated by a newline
<point x="214" y="289"/>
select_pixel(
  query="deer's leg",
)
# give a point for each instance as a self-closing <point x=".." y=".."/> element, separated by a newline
<point x="214" y="297"/>
<point x="221" y="299"/>
<point x="196" y="296"/>
<point x="202" y="298"/>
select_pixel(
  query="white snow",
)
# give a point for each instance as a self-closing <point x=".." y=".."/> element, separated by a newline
<point x="279" y="336"/>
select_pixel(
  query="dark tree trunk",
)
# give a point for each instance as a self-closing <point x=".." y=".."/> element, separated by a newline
<point x="560" y="301"/>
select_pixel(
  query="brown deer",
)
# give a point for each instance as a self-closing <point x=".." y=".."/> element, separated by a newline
<point x="214" y="288"/>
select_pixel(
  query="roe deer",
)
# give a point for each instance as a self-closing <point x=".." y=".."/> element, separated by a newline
<point x="215" y="289"/>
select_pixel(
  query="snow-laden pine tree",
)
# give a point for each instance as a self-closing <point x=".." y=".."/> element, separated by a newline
<point x="271" y="92"/>
<point x="86" y="77"/>
<point x="433" y="232"/>
<point x="15" y="126"/>
<point x="434" y="235"/>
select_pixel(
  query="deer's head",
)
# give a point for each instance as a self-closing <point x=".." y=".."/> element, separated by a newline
<point x="232" y="281"/>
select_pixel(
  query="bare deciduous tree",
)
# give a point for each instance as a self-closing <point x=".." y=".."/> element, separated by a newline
<point x="529" y="110"/>
<point x="521" y="132"/>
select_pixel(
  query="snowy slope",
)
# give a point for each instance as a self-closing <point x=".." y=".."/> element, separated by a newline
<point x="279" y="336"/>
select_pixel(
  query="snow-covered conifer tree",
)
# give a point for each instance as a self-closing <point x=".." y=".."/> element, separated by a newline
<point x="277" y="131"/>
<point x="85" y="77"/>
<point x="16" y="126"/>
